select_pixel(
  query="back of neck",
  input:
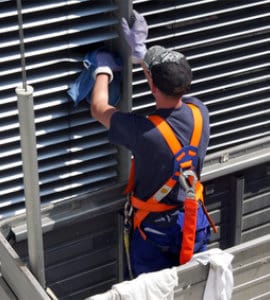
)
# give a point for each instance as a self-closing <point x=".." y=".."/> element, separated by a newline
<point x="168" y="103"/>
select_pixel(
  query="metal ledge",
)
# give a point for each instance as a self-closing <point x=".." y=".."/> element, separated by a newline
<point x="71" y="211"/>
<point x="236" y="159"/>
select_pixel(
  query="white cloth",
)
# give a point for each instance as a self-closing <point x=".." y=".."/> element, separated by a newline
<point x="110" y="295"/>
<point x="155" y="286"/>
<point x="219" y="283"/>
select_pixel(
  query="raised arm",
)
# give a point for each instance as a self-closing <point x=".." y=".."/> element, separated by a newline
<point x="100" y="107"/>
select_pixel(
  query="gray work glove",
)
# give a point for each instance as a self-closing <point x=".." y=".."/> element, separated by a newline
<point x="106" y="64"/>
<point x="136" y="36"/>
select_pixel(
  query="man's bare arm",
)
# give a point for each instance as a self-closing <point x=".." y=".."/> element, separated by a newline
<point x="100" y="107"/>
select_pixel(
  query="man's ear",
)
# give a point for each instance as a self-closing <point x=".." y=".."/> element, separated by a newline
<point x="153" y="87"/>
<point x="150" y="81"/>
<point x="148" y="76"/>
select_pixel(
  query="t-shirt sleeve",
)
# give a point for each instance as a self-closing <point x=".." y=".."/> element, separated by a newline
<point x="123" y="129"/>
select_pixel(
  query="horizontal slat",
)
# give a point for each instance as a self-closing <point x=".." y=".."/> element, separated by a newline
<point x="256" y="218"/>
<point x="104" y="273"/>
<point x="210" y="6"/>
<point x="254" y="233"/>
<point x="94" y="183"/>
<point x="260" y="201"/>
<point x="54" y="192"/>
<point x="59" y="138"/>
<point x="253" y="288"/>
<point x="63" y="169"/>
<point x="34" y="7"/>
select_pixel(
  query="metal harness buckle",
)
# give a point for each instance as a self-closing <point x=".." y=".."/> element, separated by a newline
<point x="188" y="180"/>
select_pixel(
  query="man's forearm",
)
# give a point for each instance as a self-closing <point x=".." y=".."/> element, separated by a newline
<point x="100" y="108"/>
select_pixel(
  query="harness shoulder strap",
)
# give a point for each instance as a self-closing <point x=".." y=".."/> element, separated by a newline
<point x="168" y="134"/>
<point x="198" y="125"/>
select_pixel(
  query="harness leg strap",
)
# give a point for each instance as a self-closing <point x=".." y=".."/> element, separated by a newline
<point x="144" y="209"/>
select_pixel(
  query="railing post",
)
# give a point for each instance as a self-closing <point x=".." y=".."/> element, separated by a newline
<point x="31" y="182"/>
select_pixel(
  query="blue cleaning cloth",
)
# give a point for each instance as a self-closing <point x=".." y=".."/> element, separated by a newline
<point x="82" y="87"/>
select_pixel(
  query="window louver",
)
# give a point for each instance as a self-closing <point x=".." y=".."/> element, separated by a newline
<point x="226" y="42"/>
<point x="73" y="150"/>
<point x="228" y="46"/>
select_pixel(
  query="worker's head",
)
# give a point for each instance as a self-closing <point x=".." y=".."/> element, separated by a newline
<point x="169" y="70"/>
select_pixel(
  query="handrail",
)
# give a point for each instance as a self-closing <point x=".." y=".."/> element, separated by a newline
<point x="17" y="275"/>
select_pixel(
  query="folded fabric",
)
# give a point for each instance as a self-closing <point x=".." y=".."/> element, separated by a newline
<point x="155" y="286"/>
<point x="219" y="285"/>
<point x="81" y="88"/>
<point x="110" y="295"/>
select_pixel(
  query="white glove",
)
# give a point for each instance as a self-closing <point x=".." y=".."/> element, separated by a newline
<point x="136" y="36"/>
<point x="106" y="64"/>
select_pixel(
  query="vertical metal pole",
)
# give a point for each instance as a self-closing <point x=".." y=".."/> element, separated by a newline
<point x="31" y="182"/>
<point x="237" y="209"/>
<point x="30" y="166"/>
<point x="125" y="10"/>
<point x="121" y="254"/>
<point x="21" y="36"/>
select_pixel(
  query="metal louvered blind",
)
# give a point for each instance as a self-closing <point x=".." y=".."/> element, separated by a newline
<point x="228" y="46"/>
<point x="226" y="42"/>
<point x="74" y="155"/>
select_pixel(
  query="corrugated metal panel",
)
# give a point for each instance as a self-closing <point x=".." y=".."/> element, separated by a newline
<point x="217" y="193"/>
<point x="77" y="266"/>
<point x="239" y="205"/>
<point x="256" y="199"/>
<point x="74" y="155"/>
<point x="82" y="258"/>
<point x="228" y="46"/>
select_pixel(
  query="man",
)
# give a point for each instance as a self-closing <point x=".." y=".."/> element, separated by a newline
<point x="156" y="241"/>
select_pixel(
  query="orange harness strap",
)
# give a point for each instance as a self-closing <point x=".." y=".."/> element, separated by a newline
<point x="144" y="208"/>
<point x="188" y="230"/>
<point x="190" y="205"/>
<point x="169" y="136"/>
<point x="153" y="203"/>
<point x="131" y="179"/>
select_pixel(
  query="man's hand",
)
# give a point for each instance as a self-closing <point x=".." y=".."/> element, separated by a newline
<point x="106" y="64"/>
<point x="136" y="36"/>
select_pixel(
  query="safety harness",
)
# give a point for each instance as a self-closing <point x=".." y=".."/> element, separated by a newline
<point x="185" y="162"/>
